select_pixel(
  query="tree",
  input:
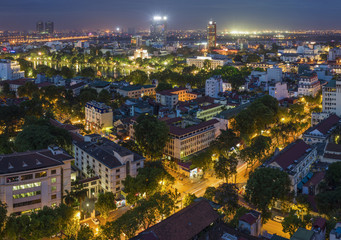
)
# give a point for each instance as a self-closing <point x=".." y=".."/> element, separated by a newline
<point x="203" y="160"/>
<point x="225" y="167"/>
<point x="3" y="216"/>
<point x="188" y="199"/>
<point x="88" y="72"/>
<point x="253" y="58"/>
<point x="292" y="222"/>
<point x="85" y="233"/>
<point x="333" y="175"/>
<point x="28" y="89"/>
<point x="69" y="198"/>
<point x="105" y="203"/>
<point x="210" y="193"/>
<point x="163" y="86"/>
<point x="66" y="72"/>
<point x="239" y="213"/>
<point x="227" y="196"/>
<point x="104" y="96"/>
<point x="151" y="135"/>
<point x="226" y="141"/>
<point x="138" y="77"/>
<point x="265" y="186"/>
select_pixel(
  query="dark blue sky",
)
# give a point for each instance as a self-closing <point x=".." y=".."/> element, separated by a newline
<point x="182" y="14"/>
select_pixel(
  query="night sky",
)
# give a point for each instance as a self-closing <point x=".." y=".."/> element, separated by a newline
<point x="182" y="14"/>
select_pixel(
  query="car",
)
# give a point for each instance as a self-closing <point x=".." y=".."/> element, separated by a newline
<point x="278" y="219"/>
<point x="95" y="221"/>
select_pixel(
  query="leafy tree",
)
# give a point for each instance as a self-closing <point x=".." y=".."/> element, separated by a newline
<point x="10" y="117"/>
<point x="151" y="135"/>
<point x="333" y="175"/>
<point x="85" y="233"/>
<point x="105" y="203"/>
<point x="265" y="186"/>
<point x="88" y="72"/>
<point x="104" y="96"/>
<point x="5" y="145"/>
<point x="226" y="141"/>
<point x="329" y="201"/>
<point x="239" y="213"/>
<point x="86" y="95"/>
<point x="203" y="160"/>
<point x="210" y="193"/>
<point x="66" y="72"/>
<point x="138" y="77"/>
<point x="227" y="196"/>
<point x="17" y="227"/>
<point x="163" y="86"/>
<point x="253" y="58"/>
<point x="188" y="199"/>
<point x="225" y="167"/>
<point x="69" y="198"/>
<point x="292" y="222"/>
<point x="28" y="89"/>
<point x="3" y="216"/>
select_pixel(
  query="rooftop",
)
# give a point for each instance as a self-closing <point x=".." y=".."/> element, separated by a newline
<point x="183" y="131"/>
<point x="136" y="87"/>
<point x="302" y="234"/>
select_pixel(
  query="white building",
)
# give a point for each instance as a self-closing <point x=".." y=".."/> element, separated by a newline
<point x="109" y="161"/>
<point x="334" y="53"/>
<point x="279" y="90"/>
<point x="331" y="93"/>
<point x="215" y="85"/>
<point x="34" y="179"/>
<point x="10" y="70"/>
<point x="308" y="85"/>
<point x="140" y="53"/>
<point x="274" y="74"/>
<point x="200" y="60"/>
<point x="98" y="116"/>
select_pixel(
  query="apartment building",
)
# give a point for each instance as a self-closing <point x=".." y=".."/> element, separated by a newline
<point x="199" y="62"/>
<point x="331" y="93"/>
<point x="137" y="91"/>
<point x="172" y="96"/>
<point x="278" y="90"/>
<point x="308" y="85"/>
<point x="31" y="180"/>
<point x="98" y="116"/>
<point x="109" y="161"/>
<point x="215" y="85"/>
<point x="10" y="70"/>
<point x="187" y="138"/>
<point x="296" y="159"/>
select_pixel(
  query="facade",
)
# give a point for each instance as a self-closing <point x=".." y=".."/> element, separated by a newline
<point x="158" y="29"/>
<point x="274" y="74"/>
<point x="108" y="160"/>
<point x="209" y="111"/>
<point x="34" y="179"/>
<point x="49" y="27"/>
<point x="335" y="234"/>
<point x="211" y="34"/>
<point x="199" y="62"/>
<point x="278" y="90"/>
<point x="308" y="84"/>
<point x="215" y="85"/>
<point x="187" y="139"/>
<point x="331" y="93"/>
<point x="40" y="27"/>
<point x="136" y="41"/>
<point x="251" y="223"/>
<point x="172" y="96"/>
<point x="319" y="226"/>
<point x="321" y="132"/>
<point x="317" y="117"/>
<point x="98" y="116"/>
<point x="140" y="53"/>
<point x="137" y="91"/>
<point x="296" y="160"/>
<point x="332" y="153"/>
<point x="10" y="70"/>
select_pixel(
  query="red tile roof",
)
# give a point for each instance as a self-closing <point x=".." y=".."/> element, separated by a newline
<point x="316" y="179"/>
<point x="184" y="224"/>
<point x="292" y="153"/>
<point x="332" y="147"/>
<point x="248" y="218"/>
<point x="324" y="126"/>
<point x="332" y="156"/>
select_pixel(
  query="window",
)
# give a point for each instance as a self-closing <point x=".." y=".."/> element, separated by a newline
<point x="25" y="186"/>
<point x="26" y="177"/>
<point x="117" y="170"/>
<point x="54" y="196"/>
<point x="53" y="171"/>
<point x="12" y="179"/>
<point x="15" y="205"/>
<point x="118" y="189"/>
<point x="106" y="175"/>
<point x="27" y="194"/>
<point x="117" y="176"/>
<point x="53" y="180"/>
<point x="41" y="174"/>
<point x="93" y="183"/>
<point x="106" y="181"/>
<point x="118" y="183"/>
<point x="137" y="164"/>
<point x="53" y="188"/>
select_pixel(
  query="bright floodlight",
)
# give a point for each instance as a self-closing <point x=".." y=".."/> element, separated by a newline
<point x="117" y="29"/>
<point x="157" y="18"/>
<point x="210" y="22"/>
<point x="164" y="18"/>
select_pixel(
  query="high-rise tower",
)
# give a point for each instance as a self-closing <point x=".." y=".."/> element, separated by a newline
<point x="40" y="27"/>
<point x="49" y="27"/>
<point x="211" y="34"/>
<point x="158" y="29"/>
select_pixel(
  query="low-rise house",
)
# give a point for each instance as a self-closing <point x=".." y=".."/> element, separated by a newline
<point x="98" y="116"/>
<point x="98" y="156"/>
<point x="186" y="224"/>
<point x="76" y="88"/>
<point x="303" y="234"/>
<point x="308" y="84"/>
<point x="34" y="179"/>
<point x="311" y="187"/>
<point x="319" y="227"/>
<point x="100" y="85"/>
<point x="335" y="234"/>
<point x="321" y="132"/>
<point x="171" y="97"/>
<point x="251" y="223"/>
<point x="332" y="153"/>
<point x="296" y="159"/>
<point x="137" y="91"/>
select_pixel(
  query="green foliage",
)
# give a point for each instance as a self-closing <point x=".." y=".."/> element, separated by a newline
<point x="88" y="72"/>
<point x="104" y="96"/>
<point x="138" y="77"/>
<point x="163" y="86"/>
<point x="239" y="213"/>
<point x="188" y="199"/>
<point x="210" y="193"/>
<point x="151" y="135"/>
<point x="292" y="222"/>
<point x="265" y="186"/>
<point x="330" y="201"/>
<point x="85" y="233"/>
<point x="333" y="175"/>
<point x="67" y="72"/>
<point x="28" y="89"/>
<point x="227" y="196"/>
<point x="6" y="146"/>
<point x="105" y="203"/>
<point x="251" y="58"/>
<point x="225" y="167"/>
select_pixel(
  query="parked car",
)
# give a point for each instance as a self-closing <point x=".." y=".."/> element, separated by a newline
<point x="95" y="221"/>
<point x="278" y="219"/>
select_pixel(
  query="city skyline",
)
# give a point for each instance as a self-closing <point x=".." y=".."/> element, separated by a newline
<point x="231" y="15"/>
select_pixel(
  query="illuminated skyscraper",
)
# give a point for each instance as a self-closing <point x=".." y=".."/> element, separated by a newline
<point x="211" y="34"/>
<point x="158" y="29"/>
<point x="40" y="27"/>
<point x="49" y="27"/>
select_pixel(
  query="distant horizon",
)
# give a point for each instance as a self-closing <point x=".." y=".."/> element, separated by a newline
<point x="247" y="15"/>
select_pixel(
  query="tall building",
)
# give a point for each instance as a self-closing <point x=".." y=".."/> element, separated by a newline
<point x="215" y="85"/>
<point x="49" y="27"/>
<point x="309" y="84"/>
<point x="40" y="27"/>
<point x="136" y="41"/>
<point x="158" y="29"/>
<point x="10" y="70"/>
<point x="98" y="116"/>
<point x="211" y="34"/>
<point x="34" y="179"/>
<point x="331" y="93"/>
